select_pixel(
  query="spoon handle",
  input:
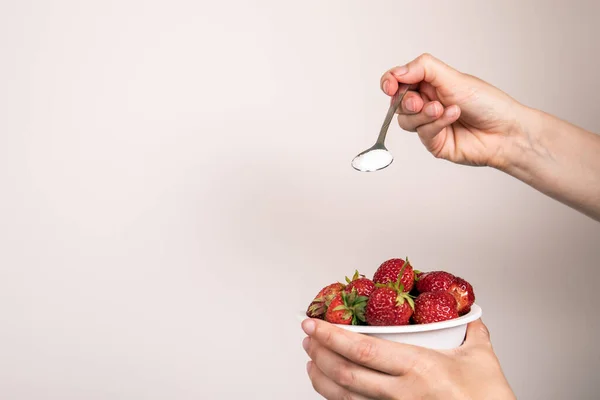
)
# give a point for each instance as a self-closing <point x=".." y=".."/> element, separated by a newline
<point x="396" y="100"/>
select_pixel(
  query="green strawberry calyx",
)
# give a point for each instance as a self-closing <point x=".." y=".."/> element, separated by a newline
<point x="398" y="287"/>
<point x="320" y="304"/>
<point x="355" y="277"/>
<point x="417" y="272"/>
<point x="354" y="306"/>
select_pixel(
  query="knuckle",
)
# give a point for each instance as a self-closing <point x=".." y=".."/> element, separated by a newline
<point x="437" y="153"/>
<point x="365" y="351"/>
<point x="425" y="58"/>
<point x="428" y="367"/>
<point x="324" y="335"/>
<point x="314" y="353"/>
<point x="427" y="62"/>
<point x="343" y="375"/>
<point x="421" y="364"/>
<point x="347" y="396"/>
<point x="385" y="392"/>
<point x="405" y="123"/>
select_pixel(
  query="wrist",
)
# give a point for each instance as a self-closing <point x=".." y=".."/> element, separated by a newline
<point x="523" y="143"/>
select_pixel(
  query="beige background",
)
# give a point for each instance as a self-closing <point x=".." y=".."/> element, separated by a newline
<point x="176" y="183"/>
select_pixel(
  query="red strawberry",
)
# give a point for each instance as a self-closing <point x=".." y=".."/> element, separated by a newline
<point x="463" y="293"/>
<point x="434" y="307"/>
<point x="364" y="286"/>
<point x="318" y="306"/>
<point x="389" y="271"/>
<point x="434" y="281"/>
<point x="445" y="281"/>
<point x="389" y="305"/>
<point x="346" y="309"/>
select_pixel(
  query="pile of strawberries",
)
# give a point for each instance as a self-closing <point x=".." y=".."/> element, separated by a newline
<point x="397" y="295"/>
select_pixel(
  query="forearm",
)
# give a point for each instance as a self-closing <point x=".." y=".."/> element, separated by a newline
<point x="558" y="159"/>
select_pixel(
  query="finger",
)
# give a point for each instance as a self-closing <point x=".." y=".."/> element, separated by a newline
<point x="389" y="84"/>
<point x="348" y="375"/>
<point x="432" y="111"/>
<point x="427" y="91"/>
<point x="428" y="131"/>
<point x="374" y="353"/>
<point x="328" y="388"/>
<point x="412" y="103"/>
<point x="425" y="68"/>
<point x="477" y="334"/>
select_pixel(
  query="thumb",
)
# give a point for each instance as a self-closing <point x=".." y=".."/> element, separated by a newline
<point x="477" y="333"/>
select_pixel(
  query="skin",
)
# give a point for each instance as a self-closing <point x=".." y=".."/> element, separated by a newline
<point x="465" y="120"/>
<point x="462" y="119"/>
<point x="347" y="365"/>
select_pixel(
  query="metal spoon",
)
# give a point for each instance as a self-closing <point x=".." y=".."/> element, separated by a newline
<point x="378" y="157"/>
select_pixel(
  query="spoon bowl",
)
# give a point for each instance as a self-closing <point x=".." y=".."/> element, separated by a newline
<point x="373" y="159"/>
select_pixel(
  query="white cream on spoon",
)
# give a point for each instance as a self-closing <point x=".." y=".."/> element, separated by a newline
<point x="378" y="157"/>
<point x="372" y="160"/>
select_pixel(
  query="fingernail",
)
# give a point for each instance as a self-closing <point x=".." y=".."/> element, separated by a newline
<point x="308" y="366"/>
<point x="386" y="84"/>
<point x="306" y="343"/>
<point x="308" y="326"/>
<point x="410" y="105"/>
<point x="399" y="71"/>
<point x="431" y="110"/>
<point x="452" y="111"/>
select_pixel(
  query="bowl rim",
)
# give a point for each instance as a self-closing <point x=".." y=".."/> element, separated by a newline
<point x="471" y="316"/>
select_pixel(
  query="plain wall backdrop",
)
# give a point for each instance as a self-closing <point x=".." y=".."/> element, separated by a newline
<point x="175" y="185"/>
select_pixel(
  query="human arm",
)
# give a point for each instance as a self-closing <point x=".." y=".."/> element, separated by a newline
<point x="463" y="119"/>
<point x="557" y="158"/>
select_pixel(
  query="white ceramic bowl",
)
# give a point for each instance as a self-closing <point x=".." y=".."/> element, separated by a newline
<point x="439" y="335"/>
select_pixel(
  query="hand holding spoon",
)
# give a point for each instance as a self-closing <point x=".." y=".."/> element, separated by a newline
<point x="378" y="157"/>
